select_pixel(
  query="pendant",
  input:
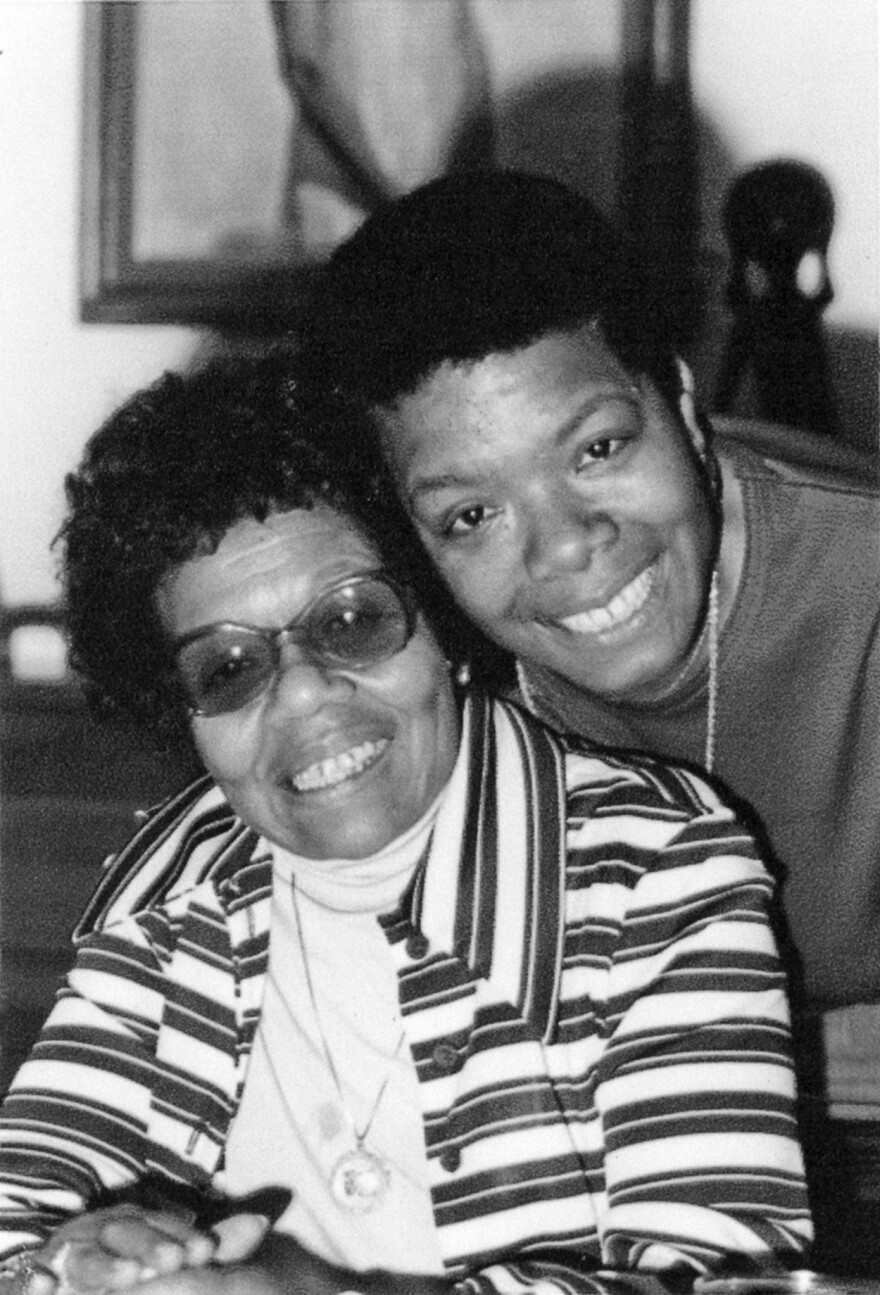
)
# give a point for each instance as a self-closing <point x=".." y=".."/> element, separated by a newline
<point x="360" y="1180"/>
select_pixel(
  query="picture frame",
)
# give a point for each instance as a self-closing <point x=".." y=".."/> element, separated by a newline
<point x="188" y="172"/>
<point x="139" y="264"/>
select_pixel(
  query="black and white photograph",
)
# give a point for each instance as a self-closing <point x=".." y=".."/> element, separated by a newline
<point x="440" y="647"/>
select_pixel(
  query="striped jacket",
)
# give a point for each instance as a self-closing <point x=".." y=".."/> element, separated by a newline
<point x="593" y="999"/>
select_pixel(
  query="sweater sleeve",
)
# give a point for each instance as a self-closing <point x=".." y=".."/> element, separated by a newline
<point x="694" y="1086"/>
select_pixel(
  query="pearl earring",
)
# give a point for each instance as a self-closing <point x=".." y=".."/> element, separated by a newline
<point x="462" y="674"/>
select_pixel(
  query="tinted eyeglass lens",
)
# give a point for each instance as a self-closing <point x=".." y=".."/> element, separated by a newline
<point x="358" y="624"/>
<point x="225" y="669"/>
<point x="355" y="625"/>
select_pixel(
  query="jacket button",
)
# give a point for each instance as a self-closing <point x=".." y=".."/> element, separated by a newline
<point x="445" y="1056"/>
<point x="417" y="945"/>
<point x="450" y="1159"/>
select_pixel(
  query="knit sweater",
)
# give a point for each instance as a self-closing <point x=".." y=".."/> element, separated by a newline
<point x="798" y="722"/>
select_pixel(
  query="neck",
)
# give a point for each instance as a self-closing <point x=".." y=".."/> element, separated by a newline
<point x="373" y="884"/>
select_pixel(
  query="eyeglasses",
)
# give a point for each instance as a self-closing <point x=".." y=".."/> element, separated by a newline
<point x="361" y="621"/>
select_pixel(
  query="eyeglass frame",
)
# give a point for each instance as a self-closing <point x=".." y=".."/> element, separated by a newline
<point x="275" y="638"/>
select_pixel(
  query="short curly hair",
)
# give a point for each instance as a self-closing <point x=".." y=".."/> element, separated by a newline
<point x="163" y="480"/>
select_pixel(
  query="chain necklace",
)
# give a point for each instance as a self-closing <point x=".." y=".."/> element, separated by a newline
<point x="360" y="1179"/>
<point x="710" y="631"/>
<point x="712" y="704"/>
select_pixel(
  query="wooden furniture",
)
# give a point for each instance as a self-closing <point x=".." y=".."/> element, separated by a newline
<point x="778" y="218"/>
<point x="808" y="450"/>
<point x="69" y="790"/>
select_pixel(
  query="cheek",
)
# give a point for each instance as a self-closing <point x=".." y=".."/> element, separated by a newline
<point x="421" y="699"/>
<point x="684" y="503"/>
<point x="665" y="503"/>
<point x="671" y="483"/>
<point x="482" y="587"/>
<point x="428" y="712"/>
<point x="690" y="513"/>
<point x="228" y="752"/>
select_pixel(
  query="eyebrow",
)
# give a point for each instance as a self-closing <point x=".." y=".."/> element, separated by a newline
<point x="456" y="480"/>
<point x="377" y="568"/>
<point x="433" y="485"/>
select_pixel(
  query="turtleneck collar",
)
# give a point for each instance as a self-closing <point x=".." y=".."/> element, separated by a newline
<point x="373" y="884"/>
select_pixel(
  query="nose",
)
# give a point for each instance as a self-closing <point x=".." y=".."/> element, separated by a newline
<point x="302" y="684"/>
<point x="563" y="535"/>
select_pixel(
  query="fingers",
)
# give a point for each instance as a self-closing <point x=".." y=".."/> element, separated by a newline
<point x="83" y="1268"/>
<point x="238" y="1236"/>
<point x="119" y="1248"/>
<point x="37" y="1281"/>
<point x="162" y="1241"/>
<point x="126" y="1246"/>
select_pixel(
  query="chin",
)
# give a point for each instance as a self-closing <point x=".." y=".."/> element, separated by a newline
<point x="625" y="682"/>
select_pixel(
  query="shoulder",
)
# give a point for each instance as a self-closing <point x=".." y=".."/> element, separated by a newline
<point x="192" y="838"/>
<point x="659" y="830"/>
<point x="606" y="780"/>
<point x="787" y="456"/>
<point x="601" y="779"/>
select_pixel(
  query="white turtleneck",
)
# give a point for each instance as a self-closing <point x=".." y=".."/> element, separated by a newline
<point x="292" y="1126"/>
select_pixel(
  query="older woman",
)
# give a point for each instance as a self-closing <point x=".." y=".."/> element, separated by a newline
<point x="490" y="1010"/>
<point x="718" y="610"/>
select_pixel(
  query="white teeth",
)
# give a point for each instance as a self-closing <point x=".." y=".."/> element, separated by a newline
<point x="326" y="773"/>
<point x="621" y="607"/>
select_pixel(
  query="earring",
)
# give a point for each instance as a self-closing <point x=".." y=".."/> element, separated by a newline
<point x="462" y="673"/>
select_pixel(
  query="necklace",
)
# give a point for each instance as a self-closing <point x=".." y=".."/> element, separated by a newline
<point x="360" y="1179"/>
<point x="712" y="704"/>
<point x="710" y="632"/>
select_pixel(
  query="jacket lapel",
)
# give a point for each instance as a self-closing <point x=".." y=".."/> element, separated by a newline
<point x="494" y="885"/>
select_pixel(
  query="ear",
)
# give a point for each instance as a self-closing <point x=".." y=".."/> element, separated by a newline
<point x="687" y="409"/>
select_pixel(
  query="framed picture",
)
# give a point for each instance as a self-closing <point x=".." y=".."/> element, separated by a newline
<point x="187" y="125"/>
<point x="230" y="144"/>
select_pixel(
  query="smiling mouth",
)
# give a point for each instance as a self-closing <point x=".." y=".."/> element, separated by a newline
<point x="623" y="607"/>
<point x="339" y="768"/>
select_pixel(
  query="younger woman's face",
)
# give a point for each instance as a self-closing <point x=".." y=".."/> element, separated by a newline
<point x="563" y="506"/>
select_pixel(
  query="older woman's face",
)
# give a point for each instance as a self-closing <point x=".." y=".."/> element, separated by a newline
<point x="563" y="507"/>
<point x="328" y="763"/>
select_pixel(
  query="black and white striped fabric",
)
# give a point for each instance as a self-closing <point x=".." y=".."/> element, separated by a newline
<point x="592" y="994"/>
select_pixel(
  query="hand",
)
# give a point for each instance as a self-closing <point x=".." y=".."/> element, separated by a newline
<point x="281" y="1266"/>
<point x="122" y="1246"/>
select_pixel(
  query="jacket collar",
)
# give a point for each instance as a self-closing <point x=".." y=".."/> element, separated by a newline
<point x="493" y="889"/>
<point x="491" y="893"/>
